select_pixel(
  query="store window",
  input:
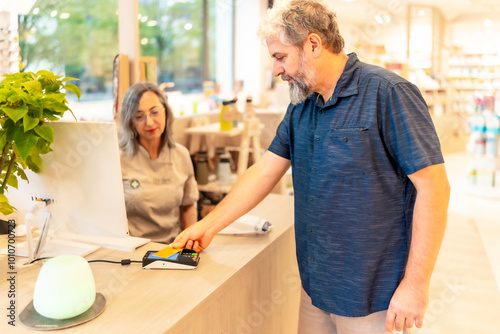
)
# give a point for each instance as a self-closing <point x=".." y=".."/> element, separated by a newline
<point x="192" y="41"/>
<point x="75" y="38"/>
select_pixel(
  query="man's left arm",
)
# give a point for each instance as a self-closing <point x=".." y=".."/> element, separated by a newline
<point x="410" y="299"/>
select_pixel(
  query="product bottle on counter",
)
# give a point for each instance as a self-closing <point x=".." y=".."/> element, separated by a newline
<point x="201" y="168"/>
<point x="218" y="152"/>
<point x="224" y="170"/>
<point x="226" y="115"/>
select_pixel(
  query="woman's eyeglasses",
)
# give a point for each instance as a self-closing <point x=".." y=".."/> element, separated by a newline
<point x="142" y="116"/>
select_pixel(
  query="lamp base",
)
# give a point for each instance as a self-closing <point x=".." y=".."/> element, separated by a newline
<point x="31" y="319"/>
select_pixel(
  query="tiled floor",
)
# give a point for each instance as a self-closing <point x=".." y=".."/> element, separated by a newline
<point x="483" y="212"/>
<point x="465" y="288"/>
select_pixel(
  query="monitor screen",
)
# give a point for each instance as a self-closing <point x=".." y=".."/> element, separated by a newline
<point x="82" y="175"/>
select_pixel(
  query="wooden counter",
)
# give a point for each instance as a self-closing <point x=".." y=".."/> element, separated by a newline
<point x="243" y="284"/>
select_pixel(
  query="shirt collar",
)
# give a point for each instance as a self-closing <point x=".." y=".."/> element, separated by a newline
<point x="347" y="84"/>
<point x="164" y="157"/>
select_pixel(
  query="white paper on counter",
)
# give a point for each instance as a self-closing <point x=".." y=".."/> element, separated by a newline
<point x="248" y="224"/>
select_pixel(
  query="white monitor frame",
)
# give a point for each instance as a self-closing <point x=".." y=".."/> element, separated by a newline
<point x="82" y="176"/>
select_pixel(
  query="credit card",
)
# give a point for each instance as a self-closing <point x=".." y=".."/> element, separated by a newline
<point x="167" y="252"/>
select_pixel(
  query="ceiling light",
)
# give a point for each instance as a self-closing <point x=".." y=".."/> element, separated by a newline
<point x="379" y="19"/>
<point x="36" y="11"/>
<point x="64" y="16"/>
<point x="488" y="23"/>
<point x="144" y="41"/>
<point x="54" y="13"/>
<point x="386" y="18"/>
<point x="421" y="12"/>
<point x="152" y="23"/>
<point x="188" y="26"/>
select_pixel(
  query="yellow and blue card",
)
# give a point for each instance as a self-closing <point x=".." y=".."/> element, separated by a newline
<point x="168" y="253"/>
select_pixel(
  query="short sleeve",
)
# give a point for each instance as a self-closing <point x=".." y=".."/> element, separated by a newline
<point x="281" y="142"/>
<point x="408" y="130"/>
<point x="191" y="193"/>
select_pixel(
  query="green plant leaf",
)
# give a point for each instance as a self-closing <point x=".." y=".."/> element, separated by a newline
<point x="73" y="89"/>
<point x="3" y="139"/>
<point x="34" y="162"/>
<point x="12" y="181"/>
<point x="69" y="79"/>
<point x="24" y="142"/>
<point x="36" y="112"/>
<point x="43" y="146"/>
<point x="20" y="171"/>
<point x="5" y="207"/>
<point x="45" y="73"/>
<point x="29" y="122"/>
<point x="54" y="87"/>
<point x="15" y="113"/>
<point x="3" y="95"/>
<point x="21" y="163"/>
<point x="46" y="132"/>
<point x="11" y="128"/>
<point x="15" y="97"/>
<point x="34" y="85"/>
<point x="59" y="97"/>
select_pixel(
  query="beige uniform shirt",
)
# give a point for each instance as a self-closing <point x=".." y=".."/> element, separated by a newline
<point x="155" y="189"/>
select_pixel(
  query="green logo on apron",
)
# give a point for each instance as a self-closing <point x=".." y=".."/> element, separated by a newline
<point x="134" y="184"/>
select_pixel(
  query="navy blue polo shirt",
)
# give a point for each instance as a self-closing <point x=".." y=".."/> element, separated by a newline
<point x="354" y="202"/>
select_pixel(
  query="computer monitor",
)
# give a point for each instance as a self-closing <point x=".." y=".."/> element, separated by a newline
<point x="82" y="176"/>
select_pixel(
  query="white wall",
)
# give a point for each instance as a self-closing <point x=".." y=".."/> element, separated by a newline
<point x="473" y="36"/>
<point x="223" y="46"/>
<point x="249" y="61"/>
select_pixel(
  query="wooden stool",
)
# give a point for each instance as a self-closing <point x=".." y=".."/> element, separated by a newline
<point x="251" y="132"/>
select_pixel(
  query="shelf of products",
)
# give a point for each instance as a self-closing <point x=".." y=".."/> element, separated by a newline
<point x="436" y="100"/>
<point x="470" y="75"/>
<point x="484" y="145"/>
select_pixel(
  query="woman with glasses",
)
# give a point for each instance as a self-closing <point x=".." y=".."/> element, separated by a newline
<point x="158" y="177"/>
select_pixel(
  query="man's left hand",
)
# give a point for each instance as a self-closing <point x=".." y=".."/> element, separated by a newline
<point x="407" y="307"/>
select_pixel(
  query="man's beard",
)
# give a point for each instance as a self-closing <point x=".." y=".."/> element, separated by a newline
<point x="301" y="85"/>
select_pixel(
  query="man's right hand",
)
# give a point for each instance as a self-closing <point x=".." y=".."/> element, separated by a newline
<point x="252" y="186"/>
<point x="196" y="237"/>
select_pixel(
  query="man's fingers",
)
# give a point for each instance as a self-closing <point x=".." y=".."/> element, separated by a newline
<point x="419" y="322"/>
<point x="389" y="321"/>
<point x="197" y="247"/>
<point x="399" y="324"/>
<point x="179" y="241"/>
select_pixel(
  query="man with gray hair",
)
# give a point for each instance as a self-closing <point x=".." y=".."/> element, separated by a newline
<point x="371" y="191"/>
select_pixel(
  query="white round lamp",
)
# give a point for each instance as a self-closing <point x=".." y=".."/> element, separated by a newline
<point x="65" y="287"/>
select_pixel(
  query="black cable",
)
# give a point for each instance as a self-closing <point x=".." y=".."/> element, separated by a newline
<point x="40" y="258"/>
<point x="122" y="262"/>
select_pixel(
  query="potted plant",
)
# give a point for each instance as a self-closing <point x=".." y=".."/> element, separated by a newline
<point x="28" y="103"/>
